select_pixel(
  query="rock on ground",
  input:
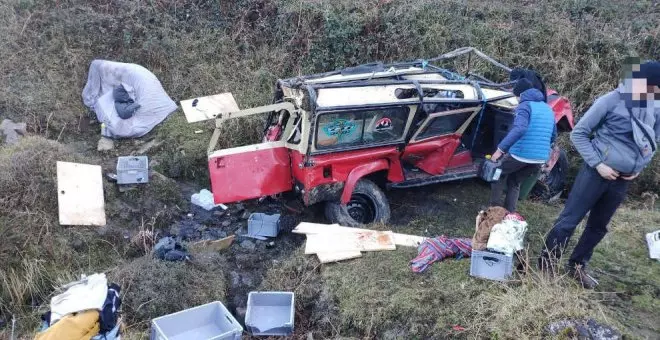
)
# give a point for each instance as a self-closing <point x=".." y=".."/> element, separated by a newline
<point x="105" y="144"/>
<point x="583" y="329"/>
<point x="12" y="131"/>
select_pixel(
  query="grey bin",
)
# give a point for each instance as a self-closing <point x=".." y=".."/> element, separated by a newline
<point x="132" y="170"/>
<point x="260" y="224"/>
<point x="270" y="313"/>
<point x="491" y="266"/>
<point x="211" y="321"/>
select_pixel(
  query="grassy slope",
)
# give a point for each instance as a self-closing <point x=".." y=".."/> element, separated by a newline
<point x="204" y="47"/>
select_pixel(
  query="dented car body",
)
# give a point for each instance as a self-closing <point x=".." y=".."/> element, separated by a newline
<point x="343" y="138"/>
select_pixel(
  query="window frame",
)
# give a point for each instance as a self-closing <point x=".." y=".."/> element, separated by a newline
<point x="474" y="109"/>
<point x="407" y="109"/>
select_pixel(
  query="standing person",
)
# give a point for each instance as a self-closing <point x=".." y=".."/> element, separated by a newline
<point x="616" y="138"/>
<point x="526" y="147"/>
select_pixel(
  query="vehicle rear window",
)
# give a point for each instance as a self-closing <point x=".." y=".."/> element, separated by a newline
<point x="360" y="127"/>
<point x="443" y="125"/>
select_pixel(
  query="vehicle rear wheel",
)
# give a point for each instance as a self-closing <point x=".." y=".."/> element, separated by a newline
<point x="368" y="204"/>
<point x="551" y="186"/>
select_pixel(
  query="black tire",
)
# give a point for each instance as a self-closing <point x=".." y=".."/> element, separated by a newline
<point x="551" y="186"/>
<point x="368" y="204"/>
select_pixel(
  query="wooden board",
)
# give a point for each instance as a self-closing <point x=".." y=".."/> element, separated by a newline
<point x="205" y="108"/>
<point x="338" y="256"/>
<point x="214" y="245"/>
<point x="80" y="194"/>
<point x="403" y="240"/>
<point x="370" y="240"/>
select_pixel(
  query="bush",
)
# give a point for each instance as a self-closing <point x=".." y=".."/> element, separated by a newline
<point x="153" y="288"/>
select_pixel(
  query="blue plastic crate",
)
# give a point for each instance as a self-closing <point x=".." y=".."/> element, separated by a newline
<point x="491" y="266"/>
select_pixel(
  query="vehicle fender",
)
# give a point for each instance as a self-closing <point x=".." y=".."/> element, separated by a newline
<point x="359" y="172"/>
<point x="554" y="157"/>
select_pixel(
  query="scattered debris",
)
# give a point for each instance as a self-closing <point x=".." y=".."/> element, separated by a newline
<point x="485" y="222"/>
<point x="168" y="249"/>
<point x="403" y="240"/>
<point x="148" y="146"/>
<point x="204" y="199"/>
<point x="260" y="224"/>
<point x="583" y="329"/>
<point x="256" y="237"/>
<point x="105" y="144"/>
<point x="248" y="245"/>
<point x="142" y="88"/>
<point x="458" y="328"/>
<point x="111" y="177"/>
<point x="439" y="248"/>
<point x="508" y="236"/>
<point x="214" y="245"/>
<point x="80" y="194"/>
<point x="653" y="241"/>
<point x="132" y="169"/>
<point x="213" y="321"/>
<point x="12" y="131"/>
<point x="198" y="132"/>
<point x="270" y="313"/>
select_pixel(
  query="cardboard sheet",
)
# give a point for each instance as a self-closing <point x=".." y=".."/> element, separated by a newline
<point x="80" y="194"/>
<point x="205" y="108"/>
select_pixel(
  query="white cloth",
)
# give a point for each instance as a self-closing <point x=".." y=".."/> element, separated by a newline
<point x="508" y="236"/>
<point x="653" y="241"/>
<point x="88" y="293"/>
<point x="142" y="86"/>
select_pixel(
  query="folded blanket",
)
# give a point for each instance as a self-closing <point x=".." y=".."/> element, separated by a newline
<point x="439" y="248"/>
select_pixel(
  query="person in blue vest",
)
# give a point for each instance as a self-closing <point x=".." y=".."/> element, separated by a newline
<point x="526" y="147"/>
<point x="617" y="138"/>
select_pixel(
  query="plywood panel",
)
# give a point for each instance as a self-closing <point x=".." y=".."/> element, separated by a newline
<point x="80" y="194"/>
<point x="403" y="240"/>
<point x="338" y="256"/>
<point x="370" y="240"/>
<point x="205" y="108"/>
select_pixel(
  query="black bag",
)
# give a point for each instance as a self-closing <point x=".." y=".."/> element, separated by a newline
<point x="110" y="312"/>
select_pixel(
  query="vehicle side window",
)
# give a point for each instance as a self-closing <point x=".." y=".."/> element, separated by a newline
<point x="443" y="125"/>
<point x="348" y="128"/>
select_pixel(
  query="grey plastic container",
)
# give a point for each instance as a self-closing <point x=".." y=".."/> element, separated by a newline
<point x="270" y="313"/>
<point x="491" y="266"/>
<point x="260" y="224"/>
<point x="132" y="170"/>
<point x="490" y="171"/>
<point x="211" y="321"/>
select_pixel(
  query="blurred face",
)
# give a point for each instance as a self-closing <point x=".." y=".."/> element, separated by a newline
<point x="638" y="88"/>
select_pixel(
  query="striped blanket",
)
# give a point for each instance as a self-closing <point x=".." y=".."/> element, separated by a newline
<point x="439" y="248"/>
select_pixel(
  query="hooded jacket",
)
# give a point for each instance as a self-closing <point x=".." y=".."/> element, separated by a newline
<point x="534" y="129"/>
<point x="605" y="133"/>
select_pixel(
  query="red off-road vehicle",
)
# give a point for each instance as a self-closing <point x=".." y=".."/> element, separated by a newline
<point x="343" y="138"/>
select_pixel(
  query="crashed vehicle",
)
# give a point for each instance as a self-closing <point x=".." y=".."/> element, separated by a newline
<point x="344" y="138"/>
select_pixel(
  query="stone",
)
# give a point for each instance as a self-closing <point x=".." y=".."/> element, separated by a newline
<point x="234" y="279"/>
<point x="245" y="215"/>
<point x="583" y="329"/>
<point x="105" y="144"/>
<point x="226" y="224"/>
<point x="247" y="280"/>
<point x="12" y="131"/>
<point x="248" y="245"/>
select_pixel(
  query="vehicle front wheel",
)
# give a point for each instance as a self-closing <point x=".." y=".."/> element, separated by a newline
<point x="368" y="204"/>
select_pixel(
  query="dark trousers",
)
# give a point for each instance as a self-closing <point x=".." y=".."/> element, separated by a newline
<point x="514" y="172"/>
<point x="590" y="193"/>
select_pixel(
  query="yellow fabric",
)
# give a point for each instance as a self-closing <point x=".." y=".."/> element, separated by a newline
<point x="79" y="326"/>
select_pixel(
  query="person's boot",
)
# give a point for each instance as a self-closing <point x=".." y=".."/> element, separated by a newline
<point x="580" y="274"/>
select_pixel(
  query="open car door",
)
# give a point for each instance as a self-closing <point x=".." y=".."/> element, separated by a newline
<point x="250" y="171"/>
<point x="245" y="172"/>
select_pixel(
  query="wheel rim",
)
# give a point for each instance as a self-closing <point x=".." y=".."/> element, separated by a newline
<point x="361" y="209"/>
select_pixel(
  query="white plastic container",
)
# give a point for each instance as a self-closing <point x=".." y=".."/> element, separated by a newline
<point x="211" y="321"/>
<point x="491" y="266"/>
<point x="132" y="170"/>
<point x="270" y="313"/>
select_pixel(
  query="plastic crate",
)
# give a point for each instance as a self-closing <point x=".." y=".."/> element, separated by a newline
<point x="132" y="170"/>
<point x="270" y="313"/>
<point x="260" y="224"/>
<point x="491" y="266"/>
<point x="211" y="321"/>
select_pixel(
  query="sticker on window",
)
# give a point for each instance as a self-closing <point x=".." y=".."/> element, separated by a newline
<point x="340" y="127"/>
<point x="384" y="124"/>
